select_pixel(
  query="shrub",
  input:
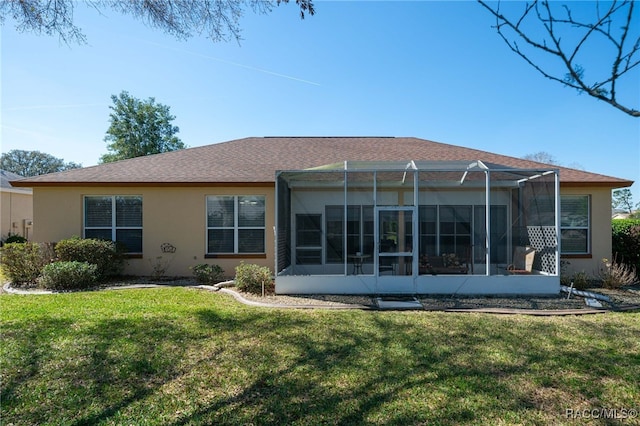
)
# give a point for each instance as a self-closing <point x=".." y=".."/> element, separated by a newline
<point x="104" y="254"/>
<point x="581" y="280"/>
<point x="22" y="263"/>
<point x="251" y="278"/>
<point x="68" y="276"/>
<point x="159" y="267"/>
<point x="626" y="240"/>
<point x="615" y="274"/>
<point x="207" y="274"/>
<point x="15" y="239"/>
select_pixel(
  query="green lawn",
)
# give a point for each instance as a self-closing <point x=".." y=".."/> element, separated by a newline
<point x="178" y="356"/>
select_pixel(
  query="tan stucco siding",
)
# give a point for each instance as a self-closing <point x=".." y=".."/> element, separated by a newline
<point x="57" y="214"/>
<point x="177" y="215"/>
<point x="173" y="215"/>
<point x="600" y="208"/>
<point x="16" y="210"/>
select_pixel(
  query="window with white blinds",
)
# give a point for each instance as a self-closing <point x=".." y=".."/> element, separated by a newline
<point x="116" y="218"/>
<point x="235" y="224"/>
<point x="574" y="224"/>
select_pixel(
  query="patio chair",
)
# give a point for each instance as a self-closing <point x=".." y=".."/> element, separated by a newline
<point x="523" y="258"/>
<point x="387" y="265"/>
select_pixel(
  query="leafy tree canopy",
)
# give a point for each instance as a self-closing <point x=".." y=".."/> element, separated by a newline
<point x="138" y="128"/>
<point x="33" y="163"/>
<point x="623" y="199"/>
<point x="218" y="19"/>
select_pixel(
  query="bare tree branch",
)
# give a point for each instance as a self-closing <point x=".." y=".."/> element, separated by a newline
<point x="615" y="25"/>
<point x="218" y="19"/>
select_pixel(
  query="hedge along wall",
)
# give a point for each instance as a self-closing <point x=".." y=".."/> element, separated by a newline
<point x="626" y="241"/>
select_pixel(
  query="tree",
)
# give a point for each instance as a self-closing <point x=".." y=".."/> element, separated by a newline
<point x="541" y="157"/>
<point x="546" y="158"/>
<point x="219" y="19"/>
<point x="33" y="163"/>
<point x="608" y="33"/>
<point x="623" y="199"/>
<point x="139" y="128"/>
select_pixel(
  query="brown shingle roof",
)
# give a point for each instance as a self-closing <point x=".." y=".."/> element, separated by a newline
<point x="6" y="177"/>
<point x="255" y="160"/>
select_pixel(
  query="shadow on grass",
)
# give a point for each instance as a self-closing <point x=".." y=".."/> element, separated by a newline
<point x="390" y="372"/>
<point x="220" y="363"/>
<point x="65" y="374"/>
<point x="128" y="360"/>
<point x="77" y="372"/>
<point x="30" y="348"/>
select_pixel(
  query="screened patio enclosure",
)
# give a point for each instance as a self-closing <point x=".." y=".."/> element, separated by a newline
<point x="417" y="227"/>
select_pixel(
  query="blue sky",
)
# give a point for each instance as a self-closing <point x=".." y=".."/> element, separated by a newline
<point x="434" y="70"/>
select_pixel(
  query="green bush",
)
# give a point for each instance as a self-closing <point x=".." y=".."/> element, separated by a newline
<point x="207" y="274"/>
<point x="15" y="239"/>
<point x="68" y="276"/>
<point x="22" y="263"/>
<point x="626" y="241"/>
<point x="251" y="278"/>
<point x="104" y="254"/>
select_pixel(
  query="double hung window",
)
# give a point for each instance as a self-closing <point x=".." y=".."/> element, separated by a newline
<point x="574" y="224"/>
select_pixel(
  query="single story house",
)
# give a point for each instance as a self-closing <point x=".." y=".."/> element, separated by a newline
<point x="341" y="215"/>
<point x="16" y="207"/>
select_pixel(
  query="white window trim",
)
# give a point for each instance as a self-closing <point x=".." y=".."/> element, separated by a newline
<point x="236" y="227"/>
<point x="587" y="227"/>
<point x="113" y="226"/>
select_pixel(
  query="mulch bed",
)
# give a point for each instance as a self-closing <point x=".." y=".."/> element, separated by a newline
<point x="621" y="299"/>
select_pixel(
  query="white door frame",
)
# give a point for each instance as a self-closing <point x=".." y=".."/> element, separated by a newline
<point x="398" y="281"/>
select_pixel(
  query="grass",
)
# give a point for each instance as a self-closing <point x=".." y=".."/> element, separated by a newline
<point x="178" y="356"/>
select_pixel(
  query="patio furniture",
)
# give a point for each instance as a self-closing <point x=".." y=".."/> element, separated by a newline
<point x="388" y="264"/>
<point x="357" y="260"/>
<point x="444" y="264"/>
<point x="523" y="258"/>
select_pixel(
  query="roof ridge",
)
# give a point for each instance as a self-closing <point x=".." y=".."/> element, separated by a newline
<point x="253" y="160"/>
<point x="329" y="137"/>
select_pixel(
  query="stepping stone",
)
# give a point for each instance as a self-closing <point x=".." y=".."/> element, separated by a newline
<point x="398" y="303"/>
<point x="593" y="303"/>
